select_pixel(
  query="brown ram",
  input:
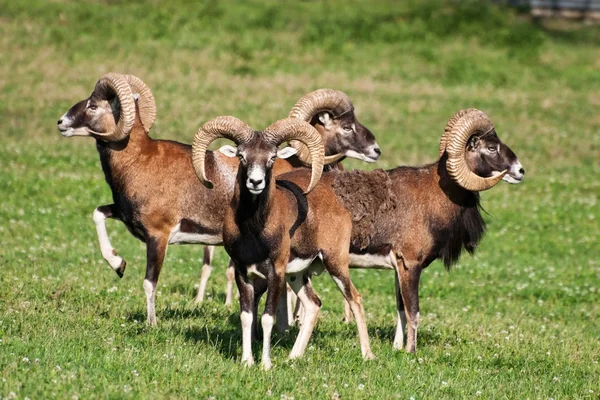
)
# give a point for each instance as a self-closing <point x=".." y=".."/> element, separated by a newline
<point x="154" y="187"/>
<point x="332" y="113"/>
<point x="274" y="231"/>
<point x="407" y="217"/>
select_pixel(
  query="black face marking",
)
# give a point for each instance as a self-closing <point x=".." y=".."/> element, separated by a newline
<point x="487" y="155"/>
<point x="352" y="135"/>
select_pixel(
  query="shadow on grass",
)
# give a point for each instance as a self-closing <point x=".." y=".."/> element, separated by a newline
<point x="227" y="338"/>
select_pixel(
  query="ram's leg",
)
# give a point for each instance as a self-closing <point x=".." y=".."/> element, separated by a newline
<point x="337" y="265"/>
<point x="276" y="285"/>
<point x="156" y="248"/>
<point x="206" y="270"/>
<point x="246" y="290"/>
<point x="298" y="311"/>
<point x="283" y="320"/>
<point x="347" y="312"/>
<point x="292" y="299"/>
<point x="401" y="323"/>
<point x="409" y="286"/>
<point x="311" y="304"/>
<point x="260" y="287"/>
<point x="108" y="252"/>
<point x="230" y="274"/>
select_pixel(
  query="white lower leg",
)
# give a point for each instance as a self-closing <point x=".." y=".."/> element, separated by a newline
<point x="206" y="270"/>
<point x="363" y="334"/>
<point x="230" y="273"/>
<point x="400" y="327"/>
<point x="150" y="290"/>
<point x="347" y="312"/>
<point x="246" y="318"/>
<point x="359" y="316"/>
<point x="108" y="253"/>
<point x="311" y="312"/>
<point x="411" y="341"/>
<point x="267" y="326"/>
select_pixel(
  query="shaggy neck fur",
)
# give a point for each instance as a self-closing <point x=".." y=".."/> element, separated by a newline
<point x="464" y="227"/>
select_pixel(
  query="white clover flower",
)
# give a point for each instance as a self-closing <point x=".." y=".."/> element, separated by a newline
<point x="361" y="387"/>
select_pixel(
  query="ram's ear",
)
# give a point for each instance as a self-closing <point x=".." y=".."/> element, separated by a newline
<point x="473" y="143"/>
<point x="286" y="152"/>
<point x="229" y="150"/>
<point x="325" y="119"/>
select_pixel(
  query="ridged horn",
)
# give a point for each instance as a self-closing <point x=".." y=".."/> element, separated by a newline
<point x="290" y="128"/>
<point x="334" y="101"/>
<point x="450" y="125"/>
<point x="465" y="127"/>
<point x="145" y="102"/>
<point x="115" y="84"/>
<point x="303" y="154"/>
<point x="220" y="127"/>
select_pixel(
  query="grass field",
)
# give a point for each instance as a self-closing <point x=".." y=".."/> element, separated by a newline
<point x="520" y="319"/>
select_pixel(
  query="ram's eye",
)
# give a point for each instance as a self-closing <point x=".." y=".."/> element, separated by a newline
<point x="93" y="107"/>
<point x="492" y="149"/>
<point x="347" y="129"/>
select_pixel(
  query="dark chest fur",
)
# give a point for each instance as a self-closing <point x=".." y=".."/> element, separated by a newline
<point x="247" y="244"/>
<point x="461" y="231"/>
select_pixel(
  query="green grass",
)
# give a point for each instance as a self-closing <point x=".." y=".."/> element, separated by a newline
<point x="518" y="320"/>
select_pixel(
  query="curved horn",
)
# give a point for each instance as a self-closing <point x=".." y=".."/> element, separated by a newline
<point x="463" y="129"/>
<point x="450" y="125"/>
<point x="145" y="101"/>
<point x="303" y="154"/>
<point x="106" y="87"/>
<point x="310" y="104"/>
<point x="219" y="127"/>
<point x="291" y="128"/>
<point x="334" y="101"/>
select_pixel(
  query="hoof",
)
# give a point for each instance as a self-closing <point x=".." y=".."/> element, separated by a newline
<point x="266" y="365"/>
<point x="369" y="356"/>
<point x="121" y="269"/>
